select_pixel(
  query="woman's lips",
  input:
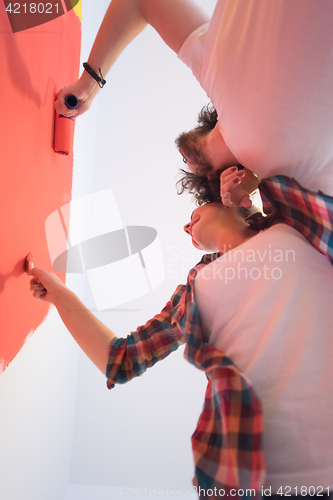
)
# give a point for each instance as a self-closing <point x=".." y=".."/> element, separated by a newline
<point x="195" y="220"/>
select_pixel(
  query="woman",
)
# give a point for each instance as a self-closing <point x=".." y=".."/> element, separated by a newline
<point x="264" y="302"/>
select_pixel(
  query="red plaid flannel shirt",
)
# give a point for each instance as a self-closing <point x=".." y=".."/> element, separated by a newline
<point x="227" y="441"/>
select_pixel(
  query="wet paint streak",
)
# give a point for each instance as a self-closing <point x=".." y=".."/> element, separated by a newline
<point x="35" y="180"/>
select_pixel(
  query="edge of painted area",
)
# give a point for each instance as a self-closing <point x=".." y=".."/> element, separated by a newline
<point x="35" y="180"/>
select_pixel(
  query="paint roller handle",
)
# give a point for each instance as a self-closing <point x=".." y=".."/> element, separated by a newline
<point x="71" y="101"/>
<point x="85" y="90"/>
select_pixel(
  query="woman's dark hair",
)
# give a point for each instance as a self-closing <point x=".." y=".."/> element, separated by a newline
<point x="202" y="189"/>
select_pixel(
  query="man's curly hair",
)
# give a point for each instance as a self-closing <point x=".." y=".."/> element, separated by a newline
<point x="189" y="142"/>
<point x="198" y="184"/>
<point x="207" y="119"/>
<point x="205" y="184"/>
<point x="203" y="190"/>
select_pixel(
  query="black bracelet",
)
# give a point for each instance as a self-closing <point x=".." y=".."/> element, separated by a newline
<point x="99" y="79"/>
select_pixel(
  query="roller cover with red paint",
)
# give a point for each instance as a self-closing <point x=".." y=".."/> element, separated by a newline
<point x="64" y="128"/>
<point x="28" y="262"/>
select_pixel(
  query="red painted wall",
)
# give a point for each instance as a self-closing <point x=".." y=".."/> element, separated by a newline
<point x="35" y="180"/>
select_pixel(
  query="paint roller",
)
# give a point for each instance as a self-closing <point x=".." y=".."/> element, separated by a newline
<point x="29" y="265"/>
<point x="64" y="128"/>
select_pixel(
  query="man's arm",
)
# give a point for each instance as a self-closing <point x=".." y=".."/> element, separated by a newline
<point x="174" y="20"/>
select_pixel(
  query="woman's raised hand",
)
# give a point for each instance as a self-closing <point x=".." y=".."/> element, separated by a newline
<point x="236" y="187"/>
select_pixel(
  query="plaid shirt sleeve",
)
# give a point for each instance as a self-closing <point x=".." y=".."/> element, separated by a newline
<point x="130" y="357"/>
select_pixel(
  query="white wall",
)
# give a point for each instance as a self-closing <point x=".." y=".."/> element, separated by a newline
<point x="37" y="394"/>
<point x="138" y="435"/>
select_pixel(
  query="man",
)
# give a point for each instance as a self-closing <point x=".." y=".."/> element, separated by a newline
<point x="267" y="67"/>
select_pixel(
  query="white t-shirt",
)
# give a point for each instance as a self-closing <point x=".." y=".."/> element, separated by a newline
<point x="267" y="66"/>
<point x="267" y="305"/>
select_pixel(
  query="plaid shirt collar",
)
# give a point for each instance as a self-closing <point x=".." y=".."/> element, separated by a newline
<point x="309" y="212"/>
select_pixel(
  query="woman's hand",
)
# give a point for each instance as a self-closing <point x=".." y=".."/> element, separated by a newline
<point x="236" y="187"/>
<point x="89" y="332"/>
<point x="46" y="286"/>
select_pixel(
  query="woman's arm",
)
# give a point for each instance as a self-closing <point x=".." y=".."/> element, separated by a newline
<point x="133" y="355"/>
<point x="88" y="331"/>
<point x="174" y="20"/>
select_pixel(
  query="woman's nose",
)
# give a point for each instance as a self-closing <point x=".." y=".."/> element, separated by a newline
<point x="187" y="228"/>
